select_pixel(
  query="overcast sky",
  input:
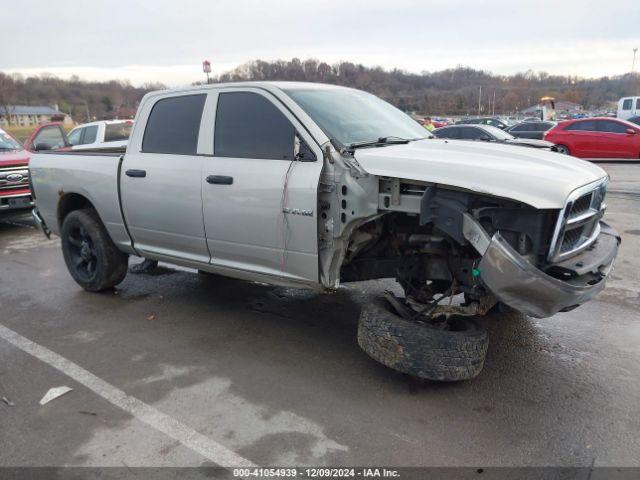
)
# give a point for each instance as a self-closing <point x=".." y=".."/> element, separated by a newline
<point x="166" y="40"/>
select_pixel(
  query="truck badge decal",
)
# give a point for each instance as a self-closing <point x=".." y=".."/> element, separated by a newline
<point x="298" y="211"/>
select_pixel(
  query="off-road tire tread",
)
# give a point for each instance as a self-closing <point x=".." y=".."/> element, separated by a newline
<point x="419" y="350"/>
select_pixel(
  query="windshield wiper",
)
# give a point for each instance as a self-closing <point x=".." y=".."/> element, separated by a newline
<point x="391" y="140"/>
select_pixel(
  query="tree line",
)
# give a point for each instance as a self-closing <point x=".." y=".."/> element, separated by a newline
<point x="454" y="91"/>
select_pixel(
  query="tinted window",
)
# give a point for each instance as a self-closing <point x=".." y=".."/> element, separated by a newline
<point x="117" y="132"/>
<point x="173" y="125"/>
<point x="250" y="126"/>
<point x="543" y="126"/>
<point x="470" y="133"/>
<point x="588" y="126"/>
<point x="638" y="104"/>
<point x="610" y="126"/>
<point x="523" y="127"/>
<point x="626" y="104"/>
<point x="447" y="133"/>
<point x="90" y="134"/>
<point x="635" y="120"/>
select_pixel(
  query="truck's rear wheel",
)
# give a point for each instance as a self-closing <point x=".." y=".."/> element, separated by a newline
<point x="422" y="350"/>
<point x="92" y="258"/>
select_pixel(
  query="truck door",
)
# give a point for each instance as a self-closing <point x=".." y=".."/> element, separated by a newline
<point x="161" y="180"/>
<point x="260" y="189"/>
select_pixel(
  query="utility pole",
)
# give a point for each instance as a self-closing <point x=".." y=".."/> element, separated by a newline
<point x="494" y="103"/>
<point x="633" y="62"/>
<point x="479" y="99"/>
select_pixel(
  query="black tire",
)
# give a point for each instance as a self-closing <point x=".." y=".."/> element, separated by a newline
<point x="419" y="349"/>
<point x="92" y="258"/>
<point x="563" y="149"/>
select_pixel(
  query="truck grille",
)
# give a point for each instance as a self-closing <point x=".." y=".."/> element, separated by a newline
<point x="13" y="178"/>
<point x="579" y="222"/>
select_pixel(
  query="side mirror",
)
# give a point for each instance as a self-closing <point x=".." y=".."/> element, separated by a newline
<point x="631" y="131"/>
<point x="42" y="146"/>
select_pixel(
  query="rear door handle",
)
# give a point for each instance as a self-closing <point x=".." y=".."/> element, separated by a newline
<point x="220" y="180"/>
<point x="136" y="173"/>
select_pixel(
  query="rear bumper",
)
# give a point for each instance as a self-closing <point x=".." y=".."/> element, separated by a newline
<point x="519" y="284"/>
<point x="37" y="218"/>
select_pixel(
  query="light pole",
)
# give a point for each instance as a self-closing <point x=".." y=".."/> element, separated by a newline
<point x="633" y="63"/>
<point x="206" y="68"/>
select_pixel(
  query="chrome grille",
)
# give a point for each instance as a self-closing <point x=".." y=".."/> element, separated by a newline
<point x="579" y="221"/>
<point x="13" y="178"/>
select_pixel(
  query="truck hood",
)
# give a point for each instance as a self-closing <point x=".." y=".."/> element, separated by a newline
<point x="14" y="158"/>
<point x="538" y="178"/>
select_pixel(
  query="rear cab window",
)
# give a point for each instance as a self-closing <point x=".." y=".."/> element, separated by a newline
<point x="117" y="132"/>
<point x="174" y="125"/>
<point x="627" y="103"/>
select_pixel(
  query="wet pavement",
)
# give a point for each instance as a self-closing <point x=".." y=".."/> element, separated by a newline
<point x="275" y="375"/>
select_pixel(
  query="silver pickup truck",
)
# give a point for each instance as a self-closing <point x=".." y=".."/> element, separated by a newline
<point x="310" y="185"/>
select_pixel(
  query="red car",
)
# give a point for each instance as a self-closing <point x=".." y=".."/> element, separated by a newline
<point x="15" y="194"/>
<point x="597" y="138"/>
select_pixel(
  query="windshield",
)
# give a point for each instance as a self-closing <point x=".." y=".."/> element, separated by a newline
<point x="498" y="133"/>
<point x="352" y="116"/>
<point x="8" y="143"/>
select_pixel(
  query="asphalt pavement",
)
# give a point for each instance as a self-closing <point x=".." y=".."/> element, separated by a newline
<point x="181" y="369"/>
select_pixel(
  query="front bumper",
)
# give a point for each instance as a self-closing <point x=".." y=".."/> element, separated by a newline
<point x="12" y="204"/>
<point x="519" y="284"/>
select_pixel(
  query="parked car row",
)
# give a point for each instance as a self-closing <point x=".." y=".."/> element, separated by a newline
<point x="488" y="133"/>
<point x="599" y="138"/>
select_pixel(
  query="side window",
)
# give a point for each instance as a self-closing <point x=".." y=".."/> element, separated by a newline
<point x="74" y="137"/>
<point x="523" y="127"/>
<point x="470" y="133"/>
<point x="627" y="103"/>
<point x="588" y="126"/>
<point x="637" y="103"/>
<point x="250" y="126"/>
<point x="115" y="132"/>
<point x="49" y="138"/>
<point x="90" y="134"/>
<point x="543" y="127"/>
<point x="173" y="125"/>
<point x="609" y="126"/>
<point x="447" y="133"/>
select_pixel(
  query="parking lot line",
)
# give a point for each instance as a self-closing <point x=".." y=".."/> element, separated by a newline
<point x="162" y="422"/>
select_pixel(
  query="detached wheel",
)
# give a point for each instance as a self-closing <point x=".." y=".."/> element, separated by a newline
<point x="563" y="149"/>
<point x="92" y="258"/>
<point x="422" y="350"/>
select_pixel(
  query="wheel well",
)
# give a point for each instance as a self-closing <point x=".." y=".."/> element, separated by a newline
<point x="70" y="202"/>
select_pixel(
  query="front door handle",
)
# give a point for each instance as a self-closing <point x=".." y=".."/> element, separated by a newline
<point x="136" y="173"/>
<point x="220" y="180"/>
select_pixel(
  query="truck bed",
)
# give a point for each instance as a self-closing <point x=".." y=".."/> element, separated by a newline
<point x="92" y="174"/>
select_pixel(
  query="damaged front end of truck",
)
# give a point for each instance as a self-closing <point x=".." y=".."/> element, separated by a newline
<point x="442" y="241"/>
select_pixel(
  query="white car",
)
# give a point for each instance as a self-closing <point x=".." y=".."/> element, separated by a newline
<point x="102" y="134"/>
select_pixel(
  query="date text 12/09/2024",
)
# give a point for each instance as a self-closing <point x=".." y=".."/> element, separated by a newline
<point x="309" y="472"/>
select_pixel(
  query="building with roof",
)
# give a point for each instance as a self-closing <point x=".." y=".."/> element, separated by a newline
<point x="28" y="115"/>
